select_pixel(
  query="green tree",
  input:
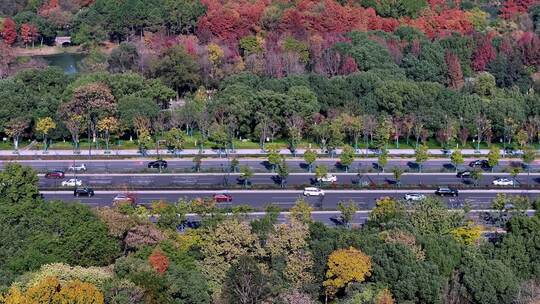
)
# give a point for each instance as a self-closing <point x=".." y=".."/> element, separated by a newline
<point x="431" y="216"/>
<point x="245" y="175"/>
<point x="398" y="172"/>
<point x="222" y="247"/>
<point x="457" y="158"/>
<point x="382" y="159"/>
<point x="421" y="154"/>
<point x="245" y="282"/>
<point x="178" y="69"/>
<point x="488" y="280"/>
<point x="124" y="58"/>
<point x="347" y="211"/>
<point x="234" y="164"/>
<point x="131" y="107"/>
<point x="347" y="157"/>
<point x="310" y="157"/>
<point x="274" y="158"/>
<point x="493" y="157"/>
<point x="386" y="211"/>
<point x="476" y="175"/>
<point x="283" y="173"/>
<point x="175" y="139"/>
<point x="514" y="172"/>
<point x="197" y="160"/>
<point x="301" y="211"/>
<point x="320" y="172"/>
<point x="528" y="156"/>
<point x="18" y="183"/>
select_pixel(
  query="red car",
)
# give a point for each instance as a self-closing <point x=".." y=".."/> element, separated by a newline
<point x="55" y="174"/>
<point x="220" y="198"/>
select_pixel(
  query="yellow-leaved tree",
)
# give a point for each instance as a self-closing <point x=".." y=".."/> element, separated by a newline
<point x="44" y="126"/>
<point x="344" y="267"/>
<point x="50" y="290"/>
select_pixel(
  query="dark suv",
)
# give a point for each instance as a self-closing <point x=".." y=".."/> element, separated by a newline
<point x="158" y="164"/>
<point x="482" y="163"/>
<point x="446" y="191"/>
<point x="55" y="174"/>
<point x="464" y="174"/>
<point x="83" y="192"/>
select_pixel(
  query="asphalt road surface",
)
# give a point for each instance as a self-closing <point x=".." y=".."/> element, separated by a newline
<point x="257" y="165"/>
<point x="271" y="180"/>
<point x="333" y="217"/>
<point x="259" y="199"/>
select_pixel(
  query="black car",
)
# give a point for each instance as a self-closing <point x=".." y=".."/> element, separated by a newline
<point x="482" y="163"/>
<point x="83" y="192"/>
<point x="157" y="164"/>
<point x="444" y="191"/>
<point x="463" y="174"/>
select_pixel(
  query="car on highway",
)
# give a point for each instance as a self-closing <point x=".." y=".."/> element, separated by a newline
<point x="122" y="197"/>
<point x="80" y="167"/>
<point x="503" y="182"/>
<point x="55" y="174"/>
<point x="464" y="174"/>
<point x="446" y="191"/>
<point x="511" y="151"/>
<point x="158" y="164"/>
<point x="328" y="178"/>
<point x="313" y="191"/>
<point x="72" y="182"/>
<point x="413" y="197"/>
<point x="83" y="192"/>
<point x="479" y="163"/>
<point x="222" y="198"/>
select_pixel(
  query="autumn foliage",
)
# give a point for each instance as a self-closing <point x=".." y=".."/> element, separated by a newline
<point x="50" y="290"/>
<point x="159" y="261"/>
<point x="346" y="266"/>
<point x="9" y="32"/>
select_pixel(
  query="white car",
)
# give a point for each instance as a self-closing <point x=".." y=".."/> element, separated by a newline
<point x="81" y="167"/>
<point x="414" y="197"/>
<point x="503" y="182"/>
<point x="72" y="183"/>
<point x="313" y="191"/>
<point x="328" y="178"/>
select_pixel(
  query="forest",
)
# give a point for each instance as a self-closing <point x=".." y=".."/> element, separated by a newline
<point x="325" y="72"/>
<point x="208" y="73"/>
<point x="68" y="253"/>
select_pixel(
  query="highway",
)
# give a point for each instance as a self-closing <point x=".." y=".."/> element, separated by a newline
<point x="271" y="180"/>
<point x="333" y="217"/>
<point x="257" y="165"/>
<point x="259" y="199"/>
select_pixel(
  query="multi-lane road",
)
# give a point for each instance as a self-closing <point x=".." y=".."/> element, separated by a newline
<point x="257" y="165"/>
<point x="271" y="180"/>
<point x="259" y="199"/>
<point x="178" y="181"/>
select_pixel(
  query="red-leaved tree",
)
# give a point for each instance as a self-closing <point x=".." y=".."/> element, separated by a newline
<point x="513" y="8"/>
<point x="159" y="261"/>
<point x="484" y="53"/>
<point x="529" y="46"/>
<point x="29" y="33"/>
<point x="455" y="75"/>
<point x="9" y="32"/>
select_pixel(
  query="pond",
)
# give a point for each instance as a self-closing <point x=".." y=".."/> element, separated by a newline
<point x="68" y="62"/>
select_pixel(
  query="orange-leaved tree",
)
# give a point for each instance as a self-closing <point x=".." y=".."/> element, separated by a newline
<point x="159" y="261"/>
